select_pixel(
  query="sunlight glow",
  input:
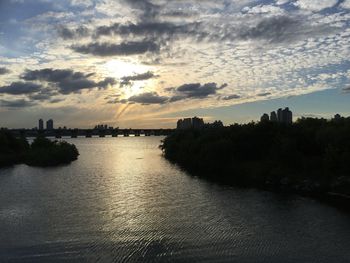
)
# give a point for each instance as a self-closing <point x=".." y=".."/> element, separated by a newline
<point x="120" y="68"/>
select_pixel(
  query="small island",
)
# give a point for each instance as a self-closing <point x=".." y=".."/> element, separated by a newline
<point x="42" y="152"/>
<point x="310" y="156"/>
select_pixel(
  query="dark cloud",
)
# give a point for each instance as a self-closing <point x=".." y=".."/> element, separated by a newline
<point x="148" y="29"/>
<point x="20" y="88"/>
<point x="66" y="80"/>
<point x="20" y="103"/>
<point x="277" y="29"/>
<point x="196" y="90"/>
<point x="148" y="10"/>
<point x="231" y="97"/>
<point x="186" y="91"/>
<point x="4" y="71"/>
<point x="139" y="77"/>
<point x="346" y="89"/>
<point x="57" y="100"/>
<point x="264" y="94"/>
<point x="123" y="49"/>
<point x="148" y="98"/>
<point x="67" y="33"/>
<point x="273" y="29"/>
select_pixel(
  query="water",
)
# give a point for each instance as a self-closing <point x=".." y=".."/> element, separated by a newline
<point x="122" y="202"/>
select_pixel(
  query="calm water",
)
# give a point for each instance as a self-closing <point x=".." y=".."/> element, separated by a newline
<point x="122" y="202"/>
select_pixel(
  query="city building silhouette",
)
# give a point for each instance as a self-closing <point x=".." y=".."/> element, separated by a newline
<point x="273" y="116"/>
<point x="282" y="116"/>
<point x="265" y="117"/>
<point x="189" y="123"/>
<point x="49" y="125"/>
<point x="41" y="125"/>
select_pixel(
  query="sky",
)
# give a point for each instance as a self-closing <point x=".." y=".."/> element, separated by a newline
<point x="147" y="63"/>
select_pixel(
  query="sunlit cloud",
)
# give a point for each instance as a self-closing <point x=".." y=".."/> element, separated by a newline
<point x="123" y="58"/>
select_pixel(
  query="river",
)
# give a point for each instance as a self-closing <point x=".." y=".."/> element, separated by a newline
<point x="121" y="201"/>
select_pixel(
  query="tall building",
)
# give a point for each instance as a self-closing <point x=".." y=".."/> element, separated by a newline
<point x="197" y="123"/>
<point x="273" y="116"/>
<point x="49" y="124"/>
<point x="279" y="115"/>
<point x="264" y="118"/>
<point x="41" y="124"/>
<point x="282" y="116"/>
<point x="287" y="116"/>
<point x="189" y="123"/>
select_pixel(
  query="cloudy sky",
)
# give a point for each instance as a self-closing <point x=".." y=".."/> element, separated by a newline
<point x="146" y="63"/>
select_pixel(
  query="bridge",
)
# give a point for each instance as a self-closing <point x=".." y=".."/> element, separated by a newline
<point x="89" y="133"/>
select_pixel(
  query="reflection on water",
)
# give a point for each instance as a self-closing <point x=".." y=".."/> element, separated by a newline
<point x="121" y="201"/>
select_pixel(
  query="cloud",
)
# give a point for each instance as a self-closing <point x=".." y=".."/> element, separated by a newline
<point x="67" y="33"/>
<point x="123" y="49"/>
<point x="273" y="29"/>
<point x="20" y="88"/>
<point x="315" y="5"/>
<point x="183" y="92"/>
<point x="196" y="90"/>
<point x="4" y="71"/>
<point x="66" y="80"/>
<point x="148" y="98"/>
<point x="152" y="29"/>
<point x="346" y="4"/>
<point x="231" y="97"/>
<point x="138" y="77"/>
<point x="346" y="89"/>
<point x="264" y="94"/>
<point x="19" y="103"/>
<point x="148" y="10"/>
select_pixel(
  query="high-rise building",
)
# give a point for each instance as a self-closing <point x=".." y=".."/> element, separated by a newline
<point x="287" y="116"/>
<point x="189" y="123"/>
<point x="273" y="116"/>
<point x="197" y="123"/>
<point x="49" y="124"/>
<point x="41" y="124"/>
<point x="264" y="118"/>
<point x="279" y="115"/>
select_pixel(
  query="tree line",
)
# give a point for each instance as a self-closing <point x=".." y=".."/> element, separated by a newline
<point x="310" y="155"/>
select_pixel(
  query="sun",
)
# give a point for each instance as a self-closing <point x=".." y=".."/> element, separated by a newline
<point x="120" y="68"/>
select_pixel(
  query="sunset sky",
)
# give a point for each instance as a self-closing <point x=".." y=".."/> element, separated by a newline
<point x="144" y="63"/>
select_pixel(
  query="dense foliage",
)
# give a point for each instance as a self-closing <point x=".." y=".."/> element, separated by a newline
<point x="12" y="150"/>
<point x="311" y="155"/>
<point x="42" y="152"/>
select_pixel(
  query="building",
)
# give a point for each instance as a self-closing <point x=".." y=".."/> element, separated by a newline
<point x="49" y="125"/>
<point x="189" y="123"/>
<point x="287" y="116"/>
<point x="279" y="115"/>
<point x="41" y="125"/>
<point x="282" y="116"/>
<point x="197" y="123"/>
<point x="265" y="118"/>
<point x="273" y="116"/>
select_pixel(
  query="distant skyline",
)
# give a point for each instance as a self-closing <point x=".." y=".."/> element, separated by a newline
<point x="148" y="63"/>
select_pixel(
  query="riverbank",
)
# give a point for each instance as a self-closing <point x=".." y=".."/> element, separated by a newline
<point x="42" y="152"/>
<point x="309" y="157"/>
